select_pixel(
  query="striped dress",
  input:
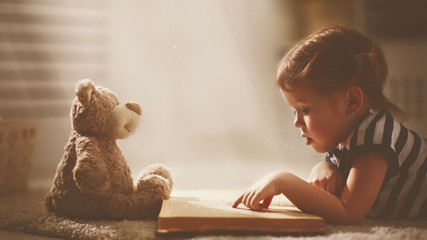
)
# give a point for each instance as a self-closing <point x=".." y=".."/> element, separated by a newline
<point x="404" y="190"/>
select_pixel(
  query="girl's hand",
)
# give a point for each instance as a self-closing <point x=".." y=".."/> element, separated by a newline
<point x="326" y="177"/>
<point x="263" y="190"/>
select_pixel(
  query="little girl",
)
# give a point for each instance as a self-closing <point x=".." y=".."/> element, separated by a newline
<point x="374" y="166"/>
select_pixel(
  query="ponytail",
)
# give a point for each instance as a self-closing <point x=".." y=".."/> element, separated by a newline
<point x="371" y="75"/>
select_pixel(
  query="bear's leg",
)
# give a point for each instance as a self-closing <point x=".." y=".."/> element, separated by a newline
<point x="136" y="206"/>
<point x="155" y="185"/>
<point x="158" y="169"/>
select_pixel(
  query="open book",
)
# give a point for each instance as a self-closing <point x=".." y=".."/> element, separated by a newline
<point x="201" y="214"/>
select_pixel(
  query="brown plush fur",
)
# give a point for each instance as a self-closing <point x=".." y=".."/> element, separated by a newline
<point x="93" y="179"/>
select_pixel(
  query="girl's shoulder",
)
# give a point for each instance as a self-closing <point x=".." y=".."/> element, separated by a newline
<point x="379" y="131"/>
<point x="377" y="117"/>
<point x="377" y="128"/>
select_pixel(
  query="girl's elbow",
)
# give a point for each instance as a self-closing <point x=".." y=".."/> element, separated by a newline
<point x="347" y="219"/>
<point x="353" y="220"/>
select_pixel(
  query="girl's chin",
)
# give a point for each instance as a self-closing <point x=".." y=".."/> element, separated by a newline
<point x="319" y="149"/>
<point x="316" y="146"/>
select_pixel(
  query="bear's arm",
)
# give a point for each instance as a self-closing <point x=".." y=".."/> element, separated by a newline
<point x="90" y="173"/>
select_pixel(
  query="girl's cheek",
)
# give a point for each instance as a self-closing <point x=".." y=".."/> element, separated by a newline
<point x="322" y="126"/>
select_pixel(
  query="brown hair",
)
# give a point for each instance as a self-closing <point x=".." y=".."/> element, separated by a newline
<point x="334" y="58"/>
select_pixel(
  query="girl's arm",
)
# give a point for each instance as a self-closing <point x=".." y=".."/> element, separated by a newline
<point x="359" y="193"/>
<point x="327" y="177"/>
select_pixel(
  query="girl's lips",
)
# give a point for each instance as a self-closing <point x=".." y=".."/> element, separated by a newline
<point x="307" y="140"/>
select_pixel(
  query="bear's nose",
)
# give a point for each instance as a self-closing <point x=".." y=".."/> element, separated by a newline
<point x="134" y="107"/>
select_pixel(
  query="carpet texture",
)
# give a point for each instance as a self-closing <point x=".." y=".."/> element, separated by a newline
<point x="24" y="212"/>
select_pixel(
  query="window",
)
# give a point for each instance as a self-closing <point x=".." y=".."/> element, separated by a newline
<point x="45" y="47"/>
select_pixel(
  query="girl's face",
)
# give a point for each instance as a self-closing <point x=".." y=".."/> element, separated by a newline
<point x="322" y="118"/>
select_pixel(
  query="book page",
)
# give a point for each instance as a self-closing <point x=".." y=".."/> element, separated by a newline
<point x="207" y="210"/>
<point x="225" y="196"/>
<point x="196" y="207"/>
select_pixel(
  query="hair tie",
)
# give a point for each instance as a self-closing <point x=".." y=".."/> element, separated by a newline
<point x="356" y="61"/>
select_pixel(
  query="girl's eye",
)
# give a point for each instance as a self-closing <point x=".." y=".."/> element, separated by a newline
<point x="305" y="111"/>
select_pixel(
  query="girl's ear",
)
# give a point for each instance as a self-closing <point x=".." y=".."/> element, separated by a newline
<point x="354" y="99"/>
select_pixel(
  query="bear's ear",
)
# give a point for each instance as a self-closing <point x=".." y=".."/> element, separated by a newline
<point x="84" y="90"/>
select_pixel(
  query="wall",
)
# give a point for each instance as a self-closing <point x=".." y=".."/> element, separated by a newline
<point x="204" y="74"/>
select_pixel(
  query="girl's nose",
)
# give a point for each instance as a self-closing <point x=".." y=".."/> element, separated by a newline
<point x="298" y="122"/>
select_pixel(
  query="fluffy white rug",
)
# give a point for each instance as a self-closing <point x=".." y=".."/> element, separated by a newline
<point x="24" y="212"/>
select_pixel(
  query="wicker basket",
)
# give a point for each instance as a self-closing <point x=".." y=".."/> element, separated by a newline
<point x="17" y="139"/>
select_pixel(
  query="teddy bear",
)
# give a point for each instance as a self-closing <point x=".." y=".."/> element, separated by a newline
<point x="93" y="180"/>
